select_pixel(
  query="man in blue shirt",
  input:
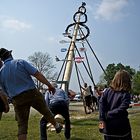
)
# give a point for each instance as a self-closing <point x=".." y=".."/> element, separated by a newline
<point x="16" y="81"/>
<point x="58" y="104"/>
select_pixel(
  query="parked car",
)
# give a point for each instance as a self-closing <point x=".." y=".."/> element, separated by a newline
<point x="77" y="98"/>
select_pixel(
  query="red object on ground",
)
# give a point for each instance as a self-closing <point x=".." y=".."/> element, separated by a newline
<point x="135" y="104"/>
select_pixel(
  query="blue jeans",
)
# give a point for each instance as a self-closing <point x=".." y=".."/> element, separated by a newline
<point x="59" y="107"/>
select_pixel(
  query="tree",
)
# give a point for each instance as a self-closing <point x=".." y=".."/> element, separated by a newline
<point x="44" y="63"/>
<point x="111" y="69"/>
<point x="136" y="83"/>
<point x="102" y="80"/>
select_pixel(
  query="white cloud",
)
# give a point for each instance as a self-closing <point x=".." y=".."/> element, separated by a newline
<point x="14" y="24"/>
<point x="111" y="9"/>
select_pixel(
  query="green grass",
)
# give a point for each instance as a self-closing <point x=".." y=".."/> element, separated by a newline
<point x="84" y="127"/>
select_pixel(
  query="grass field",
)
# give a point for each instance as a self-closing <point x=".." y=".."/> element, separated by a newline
<point x="84" y="127"/>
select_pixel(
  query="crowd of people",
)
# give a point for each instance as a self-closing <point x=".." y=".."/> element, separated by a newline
<point x="16" y="83"/>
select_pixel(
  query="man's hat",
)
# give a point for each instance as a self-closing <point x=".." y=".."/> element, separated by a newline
<point x="4" y="51"/>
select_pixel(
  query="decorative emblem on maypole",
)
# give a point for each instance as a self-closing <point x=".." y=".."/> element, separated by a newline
<point x="79" y="18"/>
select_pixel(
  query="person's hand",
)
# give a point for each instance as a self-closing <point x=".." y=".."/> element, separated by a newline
<point x="101" y="125"/>
<point x="51" y="89"/>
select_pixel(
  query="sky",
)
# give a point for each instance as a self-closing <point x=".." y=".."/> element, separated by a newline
<point x="30" y="26"/>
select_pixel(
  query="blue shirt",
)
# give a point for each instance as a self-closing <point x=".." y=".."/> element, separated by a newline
<point x="59" y="95"/>
<point x="15" y="76"/>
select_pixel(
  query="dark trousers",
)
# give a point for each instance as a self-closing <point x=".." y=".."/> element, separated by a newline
<point x="118" y="129"/>
<point x="22" y="104"/>
<point x="59" y="107"/>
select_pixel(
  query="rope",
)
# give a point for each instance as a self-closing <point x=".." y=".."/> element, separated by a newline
<point x="94" y="53"/>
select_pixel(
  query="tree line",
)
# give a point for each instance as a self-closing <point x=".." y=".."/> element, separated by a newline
<point x="44" y="63"/>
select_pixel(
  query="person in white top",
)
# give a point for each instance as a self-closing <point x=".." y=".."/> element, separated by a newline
<point x="86" y="94"/>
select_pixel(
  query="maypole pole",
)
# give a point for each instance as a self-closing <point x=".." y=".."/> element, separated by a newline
<point x="70" y="57"/>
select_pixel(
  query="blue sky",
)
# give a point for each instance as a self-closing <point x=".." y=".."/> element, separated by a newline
<point x="30" y="26"/>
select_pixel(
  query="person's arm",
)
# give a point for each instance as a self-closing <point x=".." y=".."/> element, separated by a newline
<point x="102" y="107"/>
<point x="34" y="72"/>
<point x="83" y="88"/>
<point x="5" y="101"/>
<point x="39" y="76"/>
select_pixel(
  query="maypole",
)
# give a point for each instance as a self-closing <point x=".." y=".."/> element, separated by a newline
<point x="70" y="56"/>
<point x="77" y="31"/>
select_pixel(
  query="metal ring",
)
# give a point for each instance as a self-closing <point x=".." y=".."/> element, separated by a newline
<point x="81" y="8"/>
<point x="80" y="24"/>
<point x="79" y="12"/>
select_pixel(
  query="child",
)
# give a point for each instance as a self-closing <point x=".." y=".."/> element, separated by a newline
<point x="113" y="105"/>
